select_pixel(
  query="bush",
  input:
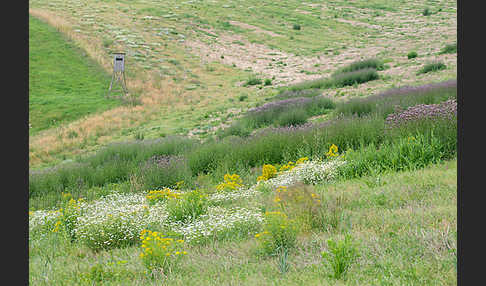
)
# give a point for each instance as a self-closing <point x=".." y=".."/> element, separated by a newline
<point x="289" y="111"/>
<point x="292" y="118"/>
<point x="187" y="207"/>
<point x="268" y="81"/>
<point x="112" y="164"/>
<point x="412" y="55"/>
<point x="239" y="128"/>
<point x="355" y="77"/>
<point x="426" y="12"/>
<point x="243" y="97"/>
<point x="296" y="27"/>
<point x="253" y="81"/>
<point x="360" y="65"/>
<point x="431" y="67"/>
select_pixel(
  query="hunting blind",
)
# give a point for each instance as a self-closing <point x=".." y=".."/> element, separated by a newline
<point x="118" y="73"/>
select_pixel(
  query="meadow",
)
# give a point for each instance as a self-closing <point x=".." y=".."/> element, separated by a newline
<point x="254" y="151"/>
<point x="64" y="85"/>
<point x="274" y="198"/>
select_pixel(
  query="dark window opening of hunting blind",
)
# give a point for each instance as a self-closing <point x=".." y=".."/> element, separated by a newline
<point x="119" y="64"/>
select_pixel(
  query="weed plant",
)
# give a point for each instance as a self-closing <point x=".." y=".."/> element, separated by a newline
<point x="341" y="254"/>
<point x="301" y="203"/>
<point x="279" y="233"/>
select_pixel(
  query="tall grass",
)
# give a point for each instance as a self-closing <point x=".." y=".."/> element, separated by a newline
<point x="115" y="163"/>
<point x="292" y="111"/>
<point x="385" y="103"/>
<point x="425" y="142"/>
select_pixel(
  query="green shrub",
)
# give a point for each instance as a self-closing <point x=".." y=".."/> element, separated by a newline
<point x="432" y="67"/>
<point x="252" y="80"/>
<point x="187" y="207"/>
<point x="243" y="97"/>
<point x="293" y="117"/>
<point x="296" y="27"/>
<point x="354" y="77"/>
<point x="239" y="128"/>
<point x="360" y="65"/>
<point x="268" y="81"/>
<point x="412" y="55"/>
<point x="341" y="254"/>
<point x="426" y="12"/>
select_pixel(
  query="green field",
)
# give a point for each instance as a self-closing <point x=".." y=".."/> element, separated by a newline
<point x="64" y="84"/>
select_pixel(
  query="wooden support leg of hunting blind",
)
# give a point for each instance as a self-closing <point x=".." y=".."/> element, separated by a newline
<point x="118" y="77"/>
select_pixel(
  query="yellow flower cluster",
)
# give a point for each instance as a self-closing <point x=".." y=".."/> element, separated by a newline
<point x="159" y="251"/>
<point x="290" y="165"/>
<point x="66" y="196"/>
<point x="278" y="232"/>
<point x="261" y="234"/>
<point x="56" y="226"/>
<point x="231" y="182"/>
<point x="333" y="151"/>
<point x="268" y="172"/>
<point x="275" y="213"/>
<point x="161" y="195"/>
<point x="179" y="184"/>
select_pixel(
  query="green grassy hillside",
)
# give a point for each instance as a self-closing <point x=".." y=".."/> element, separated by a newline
<point x="64" y="84"/>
